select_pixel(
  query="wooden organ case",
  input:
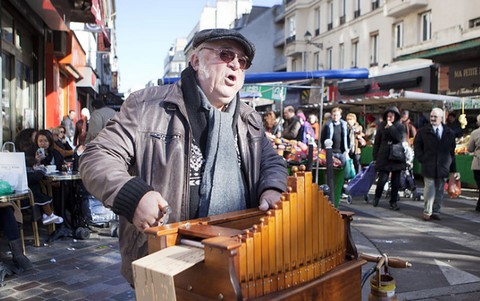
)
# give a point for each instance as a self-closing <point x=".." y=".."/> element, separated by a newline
<point x="300" y="250"/>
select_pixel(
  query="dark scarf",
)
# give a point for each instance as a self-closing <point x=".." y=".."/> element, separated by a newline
<point x="216" y="194"/>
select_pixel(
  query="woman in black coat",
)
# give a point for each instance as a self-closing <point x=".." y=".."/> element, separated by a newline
<point x="390" y="131"/>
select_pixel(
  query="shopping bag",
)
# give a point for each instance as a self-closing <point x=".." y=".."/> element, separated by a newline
<point x="13" y="170"/>
<point x="453" y="187"/>
<point x="349" y="169"/>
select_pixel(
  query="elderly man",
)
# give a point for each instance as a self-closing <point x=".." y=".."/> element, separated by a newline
<point x="192" y="147"/>
<point x="292" y="127"/>
<point x="434" y="147"/>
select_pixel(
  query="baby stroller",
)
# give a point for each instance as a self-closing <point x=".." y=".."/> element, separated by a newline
<point x="407" y="181"/>
<point x="361" y="183"/>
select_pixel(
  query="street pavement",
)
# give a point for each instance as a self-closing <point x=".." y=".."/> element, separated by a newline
<point x="445" y="255"/>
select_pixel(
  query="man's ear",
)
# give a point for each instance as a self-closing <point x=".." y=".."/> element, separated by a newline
<point x="194" y="62"/>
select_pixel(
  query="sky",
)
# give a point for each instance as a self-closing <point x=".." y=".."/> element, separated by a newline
<point x="145" y="31"/>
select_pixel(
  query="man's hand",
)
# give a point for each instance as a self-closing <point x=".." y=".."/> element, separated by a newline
<point x="268" y="199"/>
<point x="149" y="210"/>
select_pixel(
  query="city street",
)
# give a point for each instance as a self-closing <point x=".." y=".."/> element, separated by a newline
<point x="445" y="255"/>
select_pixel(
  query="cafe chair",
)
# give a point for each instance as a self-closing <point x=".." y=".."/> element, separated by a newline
<point x="35" y="217"/>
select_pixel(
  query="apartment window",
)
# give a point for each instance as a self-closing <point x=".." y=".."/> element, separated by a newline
<point x="329" y="59"/>
<point x="474" y="23"/>
<point x="317" y="21"/>
<point x="375" y="4"/>
<point x="343" y="9"/>
<point x="374" y="49"/>
<point x="330" y="15"/>
<point x="398" y="33"/>
<point x="356" y="12"/>
<point x="291" y="29"/>
<point x="426" y="26"/>
<point x="341" y="56"/>
<point x="355" y="53"/>
<point x="316" y="57"/>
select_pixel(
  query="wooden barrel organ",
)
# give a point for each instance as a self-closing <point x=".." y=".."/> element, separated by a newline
<point x="301" y="250"/>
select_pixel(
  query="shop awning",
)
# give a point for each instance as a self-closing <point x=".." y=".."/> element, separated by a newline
<point x="49" y="14"/>
<point x="89" y="80"/>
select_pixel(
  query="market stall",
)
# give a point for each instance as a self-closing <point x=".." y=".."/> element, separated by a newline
<point x="424" y="102"/>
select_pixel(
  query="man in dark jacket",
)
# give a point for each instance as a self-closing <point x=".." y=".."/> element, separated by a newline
<point x="434" y="147"/>
<point x="390" y="131"/>
<point x="193" y="148"/>
<point x="292" y="127"/>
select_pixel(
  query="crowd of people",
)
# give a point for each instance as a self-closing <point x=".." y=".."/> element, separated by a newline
<point x="432" y="144"/>
<point x="57" y="146"/>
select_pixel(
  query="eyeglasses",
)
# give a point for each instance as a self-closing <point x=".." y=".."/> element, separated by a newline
<point x="62" y="132"/>
<point x="227" y="56"/>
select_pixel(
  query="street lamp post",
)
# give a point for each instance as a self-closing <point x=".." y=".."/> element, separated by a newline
<point x="308" y="39"/>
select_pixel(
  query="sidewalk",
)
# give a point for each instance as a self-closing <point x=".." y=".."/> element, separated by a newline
<point x="461" y="292"/>
<point x="69" y="269"/>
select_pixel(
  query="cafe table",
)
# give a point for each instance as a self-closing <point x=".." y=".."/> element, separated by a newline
<point x="64" y="178"/>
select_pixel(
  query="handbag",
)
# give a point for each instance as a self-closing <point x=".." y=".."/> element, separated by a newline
<point x="397" y="152"/>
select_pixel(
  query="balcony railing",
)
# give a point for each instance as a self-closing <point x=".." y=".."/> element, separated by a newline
<point x="329" y="26"/>
<point x="375" y="4"/>
<point x="290" y="39"/>
<point x="356" y="14"/>
<point x="342" y="20"/>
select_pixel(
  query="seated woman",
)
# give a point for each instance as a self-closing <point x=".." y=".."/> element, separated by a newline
<point x="61" y="144"/>
<point x="24" y="142"/>
<point x="10" y="214"/>
<point x="46" y="155"/>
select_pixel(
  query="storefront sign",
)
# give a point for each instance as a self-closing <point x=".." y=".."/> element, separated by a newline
<point x="275" y="93"/>
<point x="464" y="78"/>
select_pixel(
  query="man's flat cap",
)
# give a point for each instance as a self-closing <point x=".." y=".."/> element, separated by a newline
<point x="217" y="34"/>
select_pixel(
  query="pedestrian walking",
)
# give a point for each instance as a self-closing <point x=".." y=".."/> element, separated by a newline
<point x="434" y="148"/>
<point x="100" y="116"/>
<point x="474" y="147"/>
<point x="390" y="132"/>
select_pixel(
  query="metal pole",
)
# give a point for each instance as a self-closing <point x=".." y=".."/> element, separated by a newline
<point x="320" y="123"/>
<point x="330" y="181"/>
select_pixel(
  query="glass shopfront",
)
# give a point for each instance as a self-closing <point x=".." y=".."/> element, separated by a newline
<point x="19" y="92"/>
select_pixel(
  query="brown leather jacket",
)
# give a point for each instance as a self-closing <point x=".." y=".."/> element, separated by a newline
<point x="147" y="146"/>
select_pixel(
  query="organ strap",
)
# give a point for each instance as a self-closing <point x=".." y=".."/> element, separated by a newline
<point x="302" y="248"/>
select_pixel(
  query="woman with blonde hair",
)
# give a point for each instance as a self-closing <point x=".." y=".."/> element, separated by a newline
<point x="356" y="140"/>
<point x="61" y="144"/>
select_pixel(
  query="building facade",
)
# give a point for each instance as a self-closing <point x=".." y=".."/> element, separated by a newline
<point x="49" y="68"/>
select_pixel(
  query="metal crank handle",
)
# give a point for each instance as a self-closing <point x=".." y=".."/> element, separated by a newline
<point x="166" y="213"/>
<point x="393" y="262"/>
